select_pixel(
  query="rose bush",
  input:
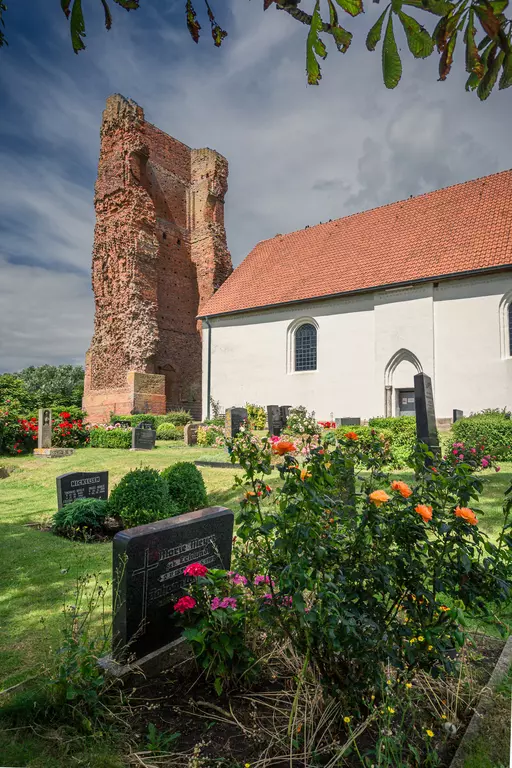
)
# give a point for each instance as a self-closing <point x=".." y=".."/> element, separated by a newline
<point x="362" y="572"/>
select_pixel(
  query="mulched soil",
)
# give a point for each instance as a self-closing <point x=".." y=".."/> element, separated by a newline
<point x="177" y="701"/>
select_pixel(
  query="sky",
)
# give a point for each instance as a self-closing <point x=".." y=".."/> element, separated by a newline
<point x="297" y="154"/>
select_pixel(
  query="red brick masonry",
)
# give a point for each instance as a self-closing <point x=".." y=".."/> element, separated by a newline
<point x="159" y="253"/>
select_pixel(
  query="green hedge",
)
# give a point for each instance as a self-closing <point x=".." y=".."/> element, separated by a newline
<point x="494" y="430"/>
<point x="110" y="438"/>
<point x="178" y="418"/>
<point x="168" y="431"/>
<point x="403" y="436"/>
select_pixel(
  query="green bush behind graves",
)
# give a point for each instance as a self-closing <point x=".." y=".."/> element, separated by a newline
<point x="494" y="430"/>
<point x="140" y="497"/>
<point x="79" y="515"/>
<point x="111" y="438"/>
<point x="167" y="431"/>
<point x="186" y="487"/>
<point x="256" y="416"/>
<point x="365" y="438"/>
<point x="178" y="418"/>
<point x="403" y="436"/>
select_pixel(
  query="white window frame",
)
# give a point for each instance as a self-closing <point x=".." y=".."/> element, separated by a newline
<point x="290" y="346"/>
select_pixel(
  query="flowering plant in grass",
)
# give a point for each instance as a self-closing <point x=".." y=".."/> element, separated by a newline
<point x="220" y="616"/>
<point x="360" y="567"/>
<point x="210" y="434"/>
<point x="17" y="435"/>
<point x="475" y="456"/>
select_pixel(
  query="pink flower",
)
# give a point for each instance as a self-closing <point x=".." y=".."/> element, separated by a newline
<point x="498" y="469"/>
<point x="461" y="457"/>
<point x="268" y="597"/>
<point x="287" y="600"/>
<point x="184" y="604"/>
<point x="485" y="463"/>
<point x="454" y="451"/>
<point x="262" y="580"/>
<point x="195" y="569"/>
<point x="237" y="579"/>
<point x="226" y="602"/>
<point x="473" y="450"/>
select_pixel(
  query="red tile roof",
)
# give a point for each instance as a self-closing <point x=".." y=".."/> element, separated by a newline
<point x="458" y="229"/>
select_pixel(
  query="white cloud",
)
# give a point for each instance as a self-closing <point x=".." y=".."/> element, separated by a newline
<point x="297" y="154"/>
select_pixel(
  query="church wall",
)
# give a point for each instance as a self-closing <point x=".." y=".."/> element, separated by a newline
<point x="473" y="367"/>
<point x="450" y="330"/>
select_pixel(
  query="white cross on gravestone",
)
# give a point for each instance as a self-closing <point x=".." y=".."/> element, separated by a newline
<point x="145" y="570"/>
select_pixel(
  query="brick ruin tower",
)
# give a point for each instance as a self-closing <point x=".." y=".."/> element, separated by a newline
<point x="159" y="252"/>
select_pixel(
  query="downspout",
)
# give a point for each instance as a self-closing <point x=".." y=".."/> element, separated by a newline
<point x="208" y="368"/>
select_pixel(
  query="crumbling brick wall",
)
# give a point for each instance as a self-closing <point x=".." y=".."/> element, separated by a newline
<point x="159" y="252"/>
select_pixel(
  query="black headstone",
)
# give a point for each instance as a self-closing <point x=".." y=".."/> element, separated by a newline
<point x="457" y="415"/>
<point x="143" y="436"/>
<point x="275" y="420"/>
<point x="148" y="575"/>
<point x="81" y="485"/>
<point x="233" y="420"/>
<point x="348" y="421"/>
<point x="426" y="428"/>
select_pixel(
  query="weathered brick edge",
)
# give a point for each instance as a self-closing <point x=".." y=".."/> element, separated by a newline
<point x="500" y="670"/>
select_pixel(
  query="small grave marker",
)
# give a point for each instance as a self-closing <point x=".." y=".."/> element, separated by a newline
<point x="348" y="421"/>
<point x="143" y="436"/>
<point x="233" y="421"/>
<point x="457" y="415"/>
<point x="426" y="427"/>
<point x="190" y="432"/>
<point x="148" y="575"/>
<point x="81" y="485"/>
<point x="44" y="428"/>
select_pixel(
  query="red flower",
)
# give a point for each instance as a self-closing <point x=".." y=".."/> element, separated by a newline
<point x="195" y="569"/>
<point x="351" y="435"/>
<point x="64" y="415"/>
<point x="184" y="604"/>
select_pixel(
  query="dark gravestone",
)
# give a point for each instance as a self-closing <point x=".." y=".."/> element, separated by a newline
<point x="143" y="437"/>
<point x="426" y="428"/>
<point x="275" y="420"/>
<point x="148" y="575"/>
<point x="457" y="415"/>
<point x="81" y="485"/>
<point x="284" y="410"/>
<point x="233" y="420"/>
<point x="348" y="421"/>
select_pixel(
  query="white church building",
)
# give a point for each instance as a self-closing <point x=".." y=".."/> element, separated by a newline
<point x="340" y="316"/>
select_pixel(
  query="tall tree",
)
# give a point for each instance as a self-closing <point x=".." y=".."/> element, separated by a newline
<point x="486" y="59"/>
<point x="54" y="385"/>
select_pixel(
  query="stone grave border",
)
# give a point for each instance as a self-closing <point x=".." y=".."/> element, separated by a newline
<point x="483" y="705"/>
<point x="217" y="464"/>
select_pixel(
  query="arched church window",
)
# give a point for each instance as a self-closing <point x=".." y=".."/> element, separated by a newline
<point x="305" y="347"/>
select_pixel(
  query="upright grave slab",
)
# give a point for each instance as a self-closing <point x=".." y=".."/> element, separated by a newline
<point x="348" y="421"/>
<point x="148" y="578"/>
<point x="44" y="437"/>
<point x="190" y="432"/>
<point x="457" y="415"/>
<point x="426" y="427"/>
<point x="275" y="420"/>
<point x="143" y="437"/>
<point x="81" y="485"/>
<point x="234" y="420"/>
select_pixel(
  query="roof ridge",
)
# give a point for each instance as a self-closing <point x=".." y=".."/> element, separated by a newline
<point x="380" y="207"/>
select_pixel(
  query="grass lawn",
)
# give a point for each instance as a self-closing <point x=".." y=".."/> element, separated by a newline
<point x="38" y="569"/>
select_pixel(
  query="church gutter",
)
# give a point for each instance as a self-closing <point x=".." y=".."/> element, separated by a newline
<point x="357" y="291"/>
<point x="208" y="368"/>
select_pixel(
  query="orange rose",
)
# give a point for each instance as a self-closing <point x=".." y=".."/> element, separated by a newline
<point x="467" y="514"/>
<point x="282" y="447"/>
<point x="379" y="497"/>
<point x="403" y="488"/>
<point x="351" y="435"/>
<point x="424" y="511"/>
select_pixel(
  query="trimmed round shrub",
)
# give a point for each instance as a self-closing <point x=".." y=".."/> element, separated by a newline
<point x="80" y="514"/>
<point x="167" y="431"/>
<point x="186" y="487"/>
<point x="140" y="497"/>
<point x="178" y="418"/>
<point x="493" y="430"/>
<point x="110" y="438"/>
